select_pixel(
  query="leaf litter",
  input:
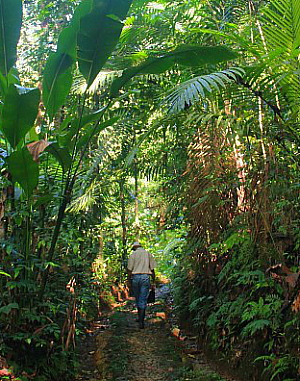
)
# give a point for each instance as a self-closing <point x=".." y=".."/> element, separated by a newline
<point x="119" y="351"/>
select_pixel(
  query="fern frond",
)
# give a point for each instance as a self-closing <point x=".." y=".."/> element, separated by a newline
<point x="190" y="92"/>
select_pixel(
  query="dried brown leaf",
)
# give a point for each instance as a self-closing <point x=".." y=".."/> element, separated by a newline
<point x="36" y="148"/>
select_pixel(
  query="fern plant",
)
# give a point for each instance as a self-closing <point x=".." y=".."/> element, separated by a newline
<point x="281" y="368"/>
<point x="260" y="315"/>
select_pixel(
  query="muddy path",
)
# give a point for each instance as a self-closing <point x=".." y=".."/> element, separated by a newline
<point x="119" y="351"/>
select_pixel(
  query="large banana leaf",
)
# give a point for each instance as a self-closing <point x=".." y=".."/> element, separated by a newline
<point x="98" y="35"/>
<point x="24" y="170"/>
<point x="185" y="55"/>
<point x="19" y="112"/>
<point x="10" y="26"/>
<point x="58" y="78"/>
<point x="57" y="81"/>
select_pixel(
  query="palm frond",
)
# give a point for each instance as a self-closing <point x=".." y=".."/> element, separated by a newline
<point x="281" y="25"/>
<point x="86" y="200"/>
<point x="190" y="92"/>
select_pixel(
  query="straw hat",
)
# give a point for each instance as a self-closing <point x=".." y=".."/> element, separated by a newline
<point x="136" y="244"/>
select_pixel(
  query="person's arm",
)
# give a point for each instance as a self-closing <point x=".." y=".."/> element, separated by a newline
<point x="153" y="278"/>
<point x="152" y="265"/>
<point x="129" y="275"/>
<point x="129" y="271"/>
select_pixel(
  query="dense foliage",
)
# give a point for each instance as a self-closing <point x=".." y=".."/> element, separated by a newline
<point x="172" y="122"/>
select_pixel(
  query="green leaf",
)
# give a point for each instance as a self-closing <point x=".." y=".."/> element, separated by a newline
<point x="24" y="170"/>
<point x="61" y="154"/>
<point x="6" y="309"/>
<point x="190" y="92"/>
<point x="57" y="81"/>
<point x="11" y="79"/>
<point x="19" y="113"/>
<point x="58" y="77"/>
<point x="10" y="26"/>
<point x="67" y="41"/>
<point x="191" y="56"/>
<point x="185" y="55"/>
<point x="3" y="84"/>
<point x="255" y="326"/>
<point x="5" y="274"/>
<point x="83" y="9"/>
<point x="98" y="35"/>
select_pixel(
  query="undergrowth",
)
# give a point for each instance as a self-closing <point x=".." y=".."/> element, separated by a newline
<point x="199" y="375"/>
<point x="241" y="313"/>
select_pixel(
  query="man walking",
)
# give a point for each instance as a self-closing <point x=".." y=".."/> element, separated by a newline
<point x="140" y="267"/>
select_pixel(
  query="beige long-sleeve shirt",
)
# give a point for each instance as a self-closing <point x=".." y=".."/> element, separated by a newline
<point x="141" y="262"/>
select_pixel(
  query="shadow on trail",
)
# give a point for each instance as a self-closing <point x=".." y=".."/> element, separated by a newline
<point x="123" y="352"/>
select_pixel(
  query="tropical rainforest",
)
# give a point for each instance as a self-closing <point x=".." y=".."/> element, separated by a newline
<point x="174" y="123"/>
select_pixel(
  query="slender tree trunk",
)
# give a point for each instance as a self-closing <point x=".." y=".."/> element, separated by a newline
<point x="240" y="165"/>
<point x="123" y="222"/>
<point x="136" y="201"/>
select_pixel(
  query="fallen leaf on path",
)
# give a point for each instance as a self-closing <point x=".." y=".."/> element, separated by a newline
<point x="176" y="332"/>
<point x="296" y="304"/>
<point x="162" y="315"/>
<point x="5" y="372"/>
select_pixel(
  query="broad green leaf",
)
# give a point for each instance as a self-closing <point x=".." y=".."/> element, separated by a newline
<point x="201" y="55"/>
<point x="33" y="135"/>
<point x="98" y="35"/>
<point x="6" y="309"/>
<point x="3" y="84"/>
<point x="24" y="170"/>
<point x="19" y="113"/>
<point x="83" y="9"/>
<point x="185" y="55"/>
<point x="67" y="41"/>
<point x="10" y="26"/>
<point x="57" y="81"/>
<point x="11" y="79"/>
<point x="61" y="154"/>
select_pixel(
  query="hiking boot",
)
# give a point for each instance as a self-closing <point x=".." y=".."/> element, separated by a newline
<point x="138" y="318"/>
<point x="142" y="313"/>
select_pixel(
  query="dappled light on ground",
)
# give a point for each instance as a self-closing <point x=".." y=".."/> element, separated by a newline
<point x="123" y="352"/>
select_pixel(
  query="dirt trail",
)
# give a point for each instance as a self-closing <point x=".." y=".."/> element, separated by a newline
<point x="123" y="352"/>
